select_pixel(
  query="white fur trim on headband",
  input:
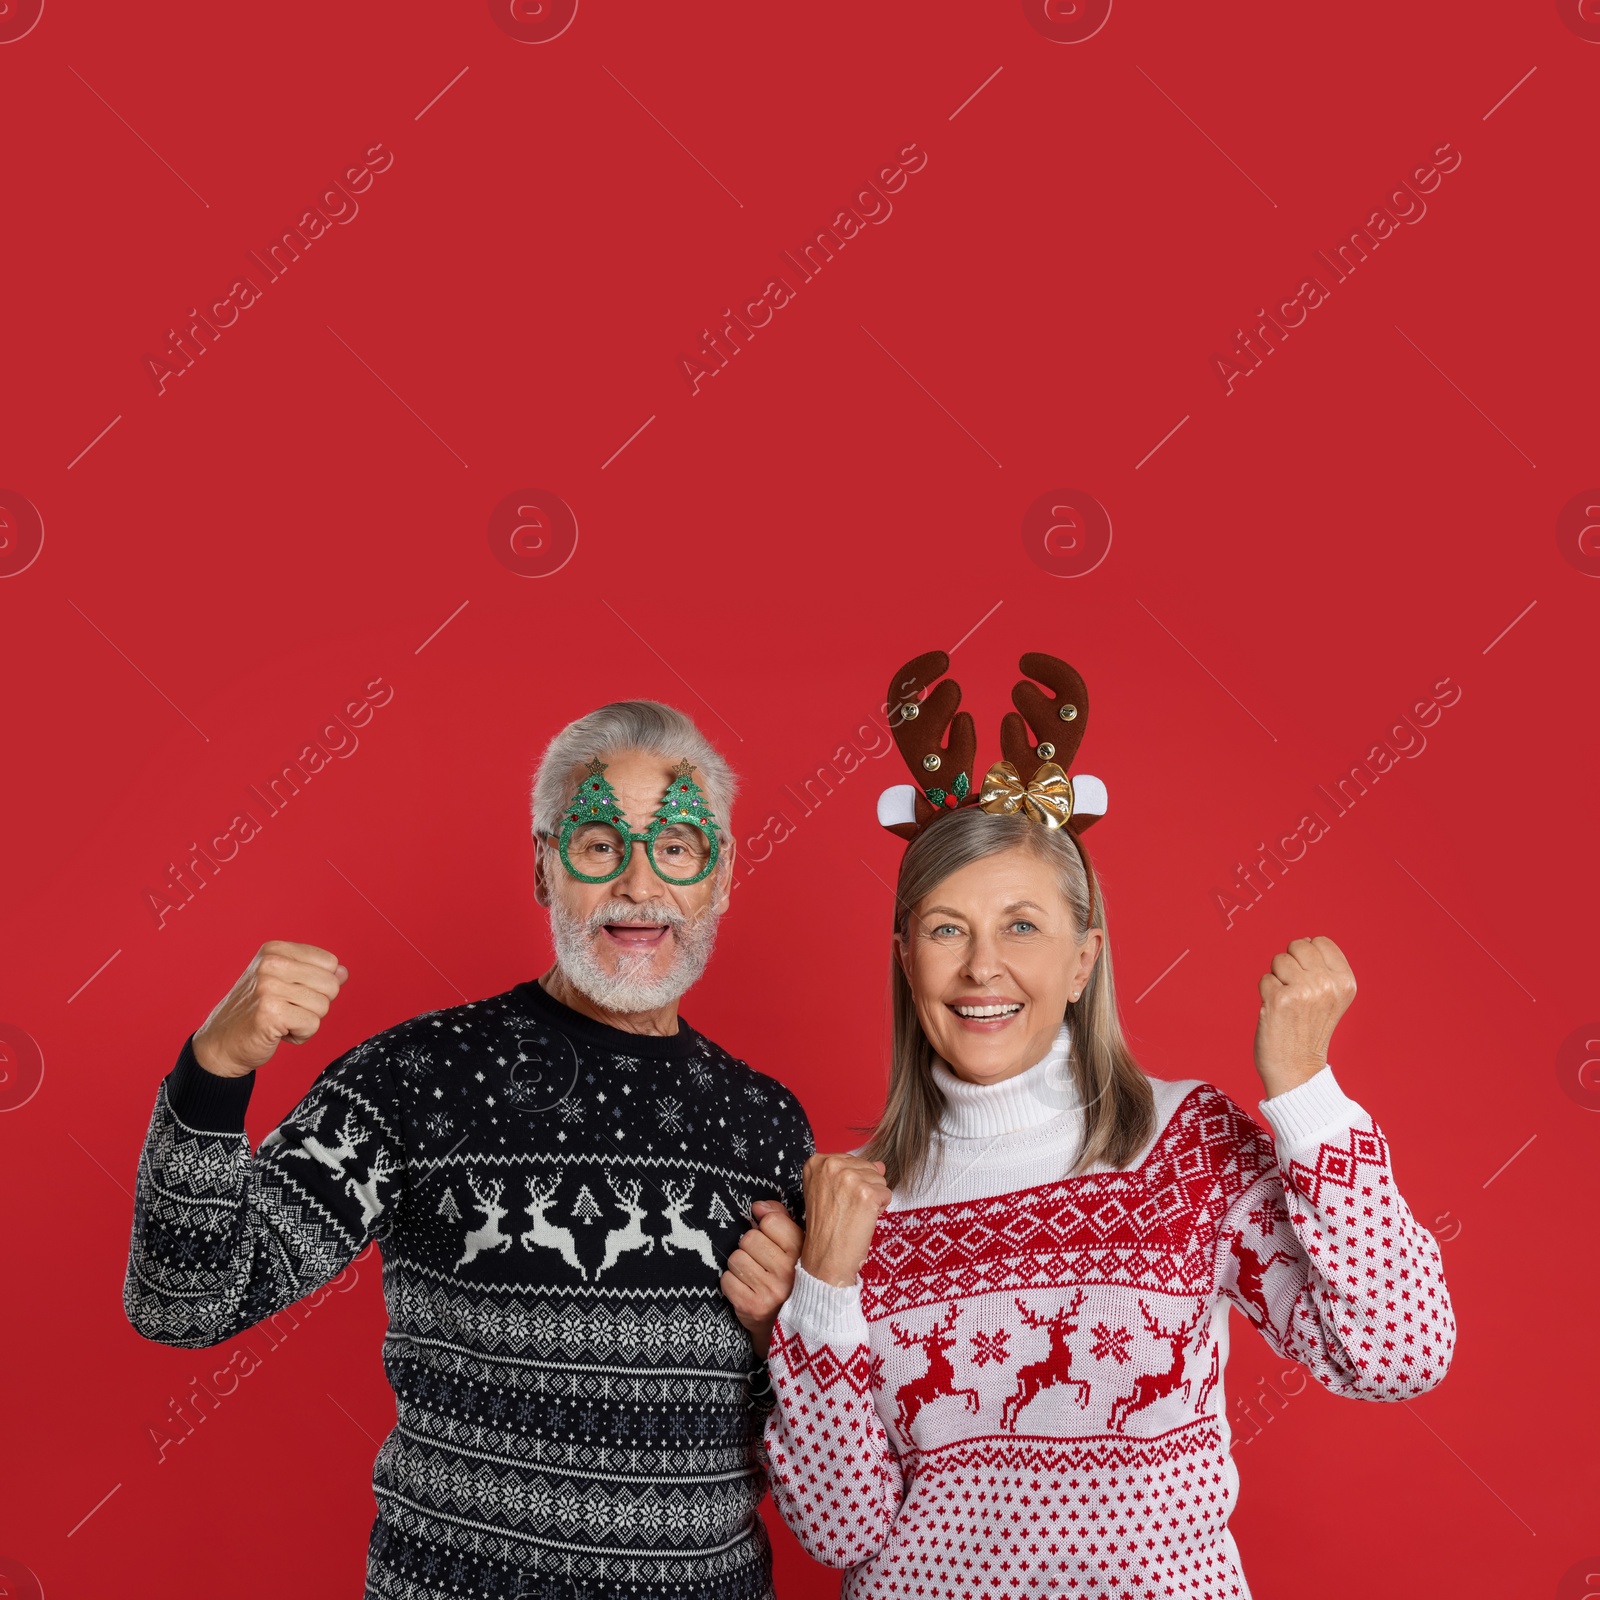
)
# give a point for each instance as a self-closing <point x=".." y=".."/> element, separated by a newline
<point x="897" y="805"/>
<point x="1088" y="795"/>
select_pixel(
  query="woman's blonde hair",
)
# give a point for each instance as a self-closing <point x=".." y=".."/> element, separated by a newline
<point x="1119" y="1106"/>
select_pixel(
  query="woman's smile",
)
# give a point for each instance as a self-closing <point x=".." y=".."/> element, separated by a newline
<point x="985" y="1013"/>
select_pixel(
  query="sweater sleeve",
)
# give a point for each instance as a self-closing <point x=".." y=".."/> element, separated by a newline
<point x="795" y="1150"/>
<point x="799" y="1146"/>
<point x="222" y="1238"/>
<point x="1324" y="1257"/>
<point x="835" y="1477"/>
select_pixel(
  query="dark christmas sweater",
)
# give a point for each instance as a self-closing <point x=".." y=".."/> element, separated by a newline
<point x="554" y="1202"/>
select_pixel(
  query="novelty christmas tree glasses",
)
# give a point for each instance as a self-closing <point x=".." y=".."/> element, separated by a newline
<point x="596" y="843"/>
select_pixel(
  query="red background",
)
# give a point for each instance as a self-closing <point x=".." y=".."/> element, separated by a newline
<point x="1289" y="572"/>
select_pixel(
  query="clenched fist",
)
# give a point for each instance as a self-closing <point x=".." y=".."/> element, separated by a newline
<point x="283" y="994"/>
<point x="761" y="1271"/>
<point x="845" y="1195"/>
<point x="1309" y="988"/>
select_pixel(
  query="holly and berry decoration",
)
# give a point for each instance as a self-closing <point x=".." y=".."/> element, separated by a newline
<point x="959" y="789"/>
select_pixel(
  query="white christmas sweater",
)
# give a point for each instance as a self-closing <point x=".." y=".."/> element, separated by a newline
<point x="1022" y="1393"/>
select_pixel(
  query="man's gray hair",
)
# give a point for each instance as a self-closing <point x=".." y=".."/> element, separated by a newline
<point x="647" y="725"/>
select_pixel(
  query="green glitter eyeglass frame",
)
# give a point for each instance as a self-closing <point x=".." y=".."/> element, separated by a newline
<point x="683" y="804"/>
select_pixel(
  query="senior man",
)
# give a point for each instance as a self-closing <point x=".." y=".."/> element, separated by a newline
<point x="579" y="1201"/>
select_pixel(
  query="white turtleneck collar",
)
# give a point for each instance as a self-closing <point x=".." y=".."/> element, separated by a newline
<point x="986" y="1110"/>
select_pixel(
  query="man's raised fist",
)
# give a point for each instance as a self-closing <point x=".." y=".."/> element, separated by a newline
<point x="283" y="994"/>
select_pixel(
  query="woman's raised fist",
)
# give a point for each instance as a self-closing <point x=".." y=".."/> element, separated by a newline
<point x="1309" y="988"/>
<point x="844" y="1197"/>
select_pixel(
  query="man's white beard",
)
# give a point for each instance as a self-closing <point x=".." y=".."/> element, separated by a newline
<point x="631" y="986"/>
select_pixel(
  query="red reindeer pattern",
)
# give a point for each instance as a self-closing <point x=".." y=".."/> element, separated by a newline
<point x="1055" y="1368"/>
<point x="1251" y="1271"/>
<point x="1151" y="1386"/>
<point x="1210" y="1381"/>
<point x="938" y="1380"/>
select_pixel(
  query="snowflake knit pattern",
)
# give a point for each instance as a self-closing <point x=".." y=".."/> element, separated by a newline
<point x="554" y="1201"/>
<point x="1022" y="1395"/>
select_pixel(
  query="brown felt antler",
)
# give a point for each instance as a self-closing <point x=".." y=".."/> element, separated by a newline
<point x="941" y="769"/>
<point x="1058" y="721"/>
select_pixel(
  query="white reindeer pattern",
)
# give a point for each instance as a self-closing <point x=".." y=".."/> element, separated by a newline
<point x="544" y="1233"/>
<point x="631" y="1236"/>
<point x="351" y="1135"/>
<point x="683" y="1237"/>
<point x="488" y="1236"/>
<point x="366" y="1190"/>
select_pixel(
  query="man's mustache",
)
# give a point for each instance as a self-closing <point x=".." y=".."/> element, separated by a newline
<point x="647" y="916"/>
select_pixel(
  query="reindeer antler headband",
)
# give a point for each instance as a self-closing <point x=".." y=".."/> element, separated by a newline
<point x="1032" y="776"/>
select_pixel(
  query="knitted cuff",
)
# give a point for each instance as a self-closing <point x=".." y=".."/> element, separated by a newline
<point x="824" y="1313"/>
<point x="1303" y="1115"/>
<point x="204" y="1101"/>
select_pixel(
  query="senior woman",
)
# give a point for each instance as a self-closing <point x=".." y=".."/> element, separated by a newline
<point x="1000" y="1370"/>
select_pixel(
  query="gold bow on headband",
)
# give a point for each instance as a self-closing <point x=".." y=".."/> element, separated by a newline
<point x="1046" y="797"/>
